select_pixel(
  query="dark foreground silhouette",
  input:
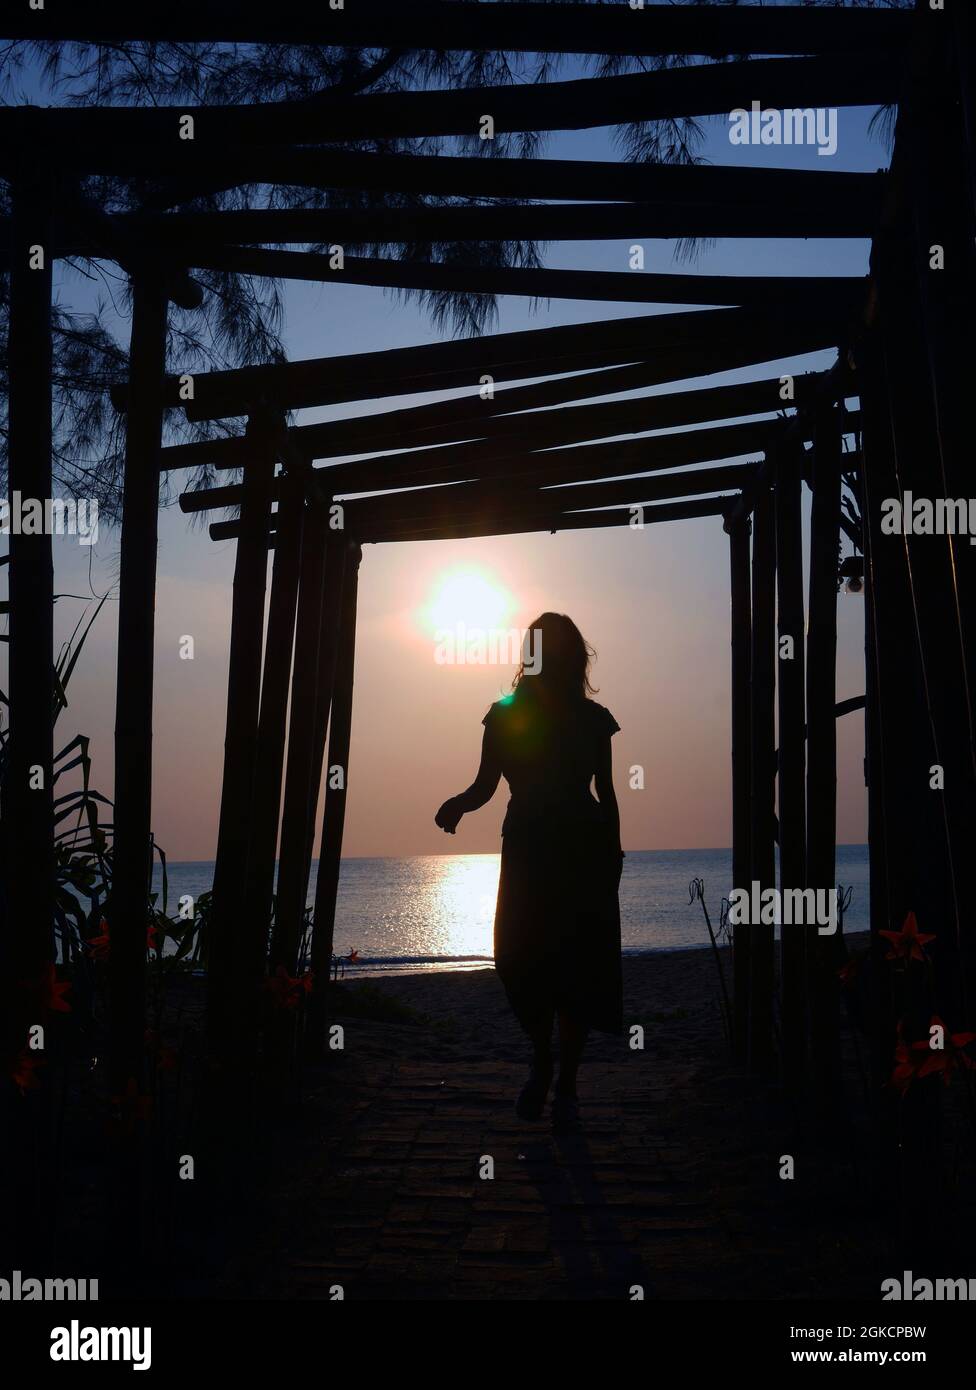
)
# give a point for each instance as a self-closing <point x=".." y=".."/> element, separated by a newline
<point x="557" y="921"/>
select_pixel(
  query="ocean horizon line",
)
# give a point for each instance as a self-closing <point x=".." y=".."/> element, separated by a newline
<point x="466" y="854"/>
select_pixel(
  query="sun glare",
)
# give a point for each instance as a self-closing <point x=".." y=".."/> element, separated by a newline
<point x="469" y="597"/>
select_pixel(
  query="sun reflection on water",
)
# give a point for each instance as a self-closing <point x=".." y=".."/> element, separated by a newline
<point x="461" y="905"/>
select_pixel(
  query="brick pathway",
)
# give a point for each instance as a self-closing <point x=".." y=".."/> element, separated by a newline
<point x="673" y="1186"/>
<point x="412" y="1216"/>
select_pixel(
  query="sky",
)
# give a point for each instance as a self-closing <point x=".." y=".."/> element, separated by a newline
<point x="653" y="603"/>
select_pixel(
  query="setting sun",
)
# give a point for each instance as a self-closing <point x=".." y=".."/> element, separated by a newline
<point x="467" y="596"/>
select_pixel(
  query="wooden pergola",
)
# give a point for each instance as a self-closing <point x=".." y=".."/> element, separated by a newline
<point x="545" y="455"/>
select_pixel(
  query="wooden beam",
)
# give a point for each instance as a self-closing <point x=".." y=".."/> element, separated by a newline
<point x="178" y="235"/>
<point x="474" y="466"/>
<point x="763" y="778"/>
<point x="482" y="501"/>
<point x="492" y="461"/>
<point x="518" y="524"/>
<point x="613" y="287"/>
<point x="791" y="761"/>
<point x="472" y="417"/>
<point x="566" y="28"/>
<point x="705" y="337"/>
<point x="629" y="462"/>
<point x="188" y="172"/>
<point x="741" y="682"/>
<point x="333" y="823"/>
<point x="848" y="79"/>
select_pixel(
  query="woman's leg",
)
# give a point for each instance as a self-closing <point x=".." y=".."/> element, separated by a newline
<point x="572" y="1040"/>
<point x="540" y="1035"/>
<point x="532" y="1097"/>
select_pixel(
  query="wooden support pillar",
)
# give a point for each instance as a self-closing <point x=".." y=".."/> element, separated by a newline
<point x="927" y="320"/>
<point x="909" y="865"/>
<point x="763" y="750"/>
<point x="890" y="671"/>
<point x="128" y="907"/>
<point x="28" y="813"/>
<point x="943" y="836"/>
<point x="330" y="848"/>
<point x="272" y="721"/>
<point x="741" y="627"/>
<point x="231" y="1015"/>
<point x="292" y="887"/>
<point x="335" y="567"/>
<point x="792" y="756"/>
<point x="27" y="945"/>
<point x="822" y="748"/>
<point x="932" y="143"/>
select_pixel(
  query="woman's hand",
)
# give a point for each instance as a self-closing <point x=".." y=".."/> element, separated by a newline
<point x="449" y="815"/>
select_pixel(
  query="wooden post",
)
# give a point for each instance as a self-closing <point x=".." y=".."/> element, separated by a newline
<point x="935" y="157"/>
<point x="335" y="565"/>
<point x="128" y="907"/>
<point x="232" y="1007"/>
<point x="763" y="778"/>
<point x="932" y="338"/>
<point x="792" y="757"/>
<point x="741" y="627"/>
<point x="822" y="748"/>
<point x="272" y="721"/>
<point x="292" y="885"/>
<point x="27" y="828"/>
<point x="28" y="815"/>
<point x="914" y="854"/>
<point x="886" y="594"/>
<point x="330" y="848"/>
<point x="942" y="838"/>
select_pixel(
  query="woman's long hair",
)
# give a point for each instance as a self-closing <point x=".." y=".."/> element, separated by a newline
<point x="559" y="658"/>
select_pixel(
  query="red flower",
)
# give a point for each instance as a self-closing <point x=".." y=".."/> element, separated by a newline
<point x="907" y="944"/>
<point x="99" y="946"/>
<point x="949" y="1057"/>
<point x="287" y="991"/>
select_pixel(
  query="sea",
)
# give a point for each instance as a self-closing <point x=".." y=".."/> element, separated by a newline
<point x="435" y="911"/>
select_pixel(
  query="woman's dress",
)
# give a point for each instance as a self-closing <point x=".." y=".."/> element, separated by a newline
<point x="557" y="921"/>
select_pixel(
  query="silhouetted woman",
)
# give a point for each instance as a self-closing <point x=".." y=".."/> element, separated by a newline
<point x="557" y="921"/>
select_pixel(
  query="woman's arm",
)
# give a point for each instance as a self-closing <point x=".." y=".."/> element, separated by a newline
<point x="607" y="797"/>
<point x="480" y="792"/>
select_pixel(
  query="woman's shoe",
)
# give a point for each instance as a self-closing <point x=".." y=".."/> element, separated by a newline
<point x="532" y="1097"/>
<point x="565" y="1114"/>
